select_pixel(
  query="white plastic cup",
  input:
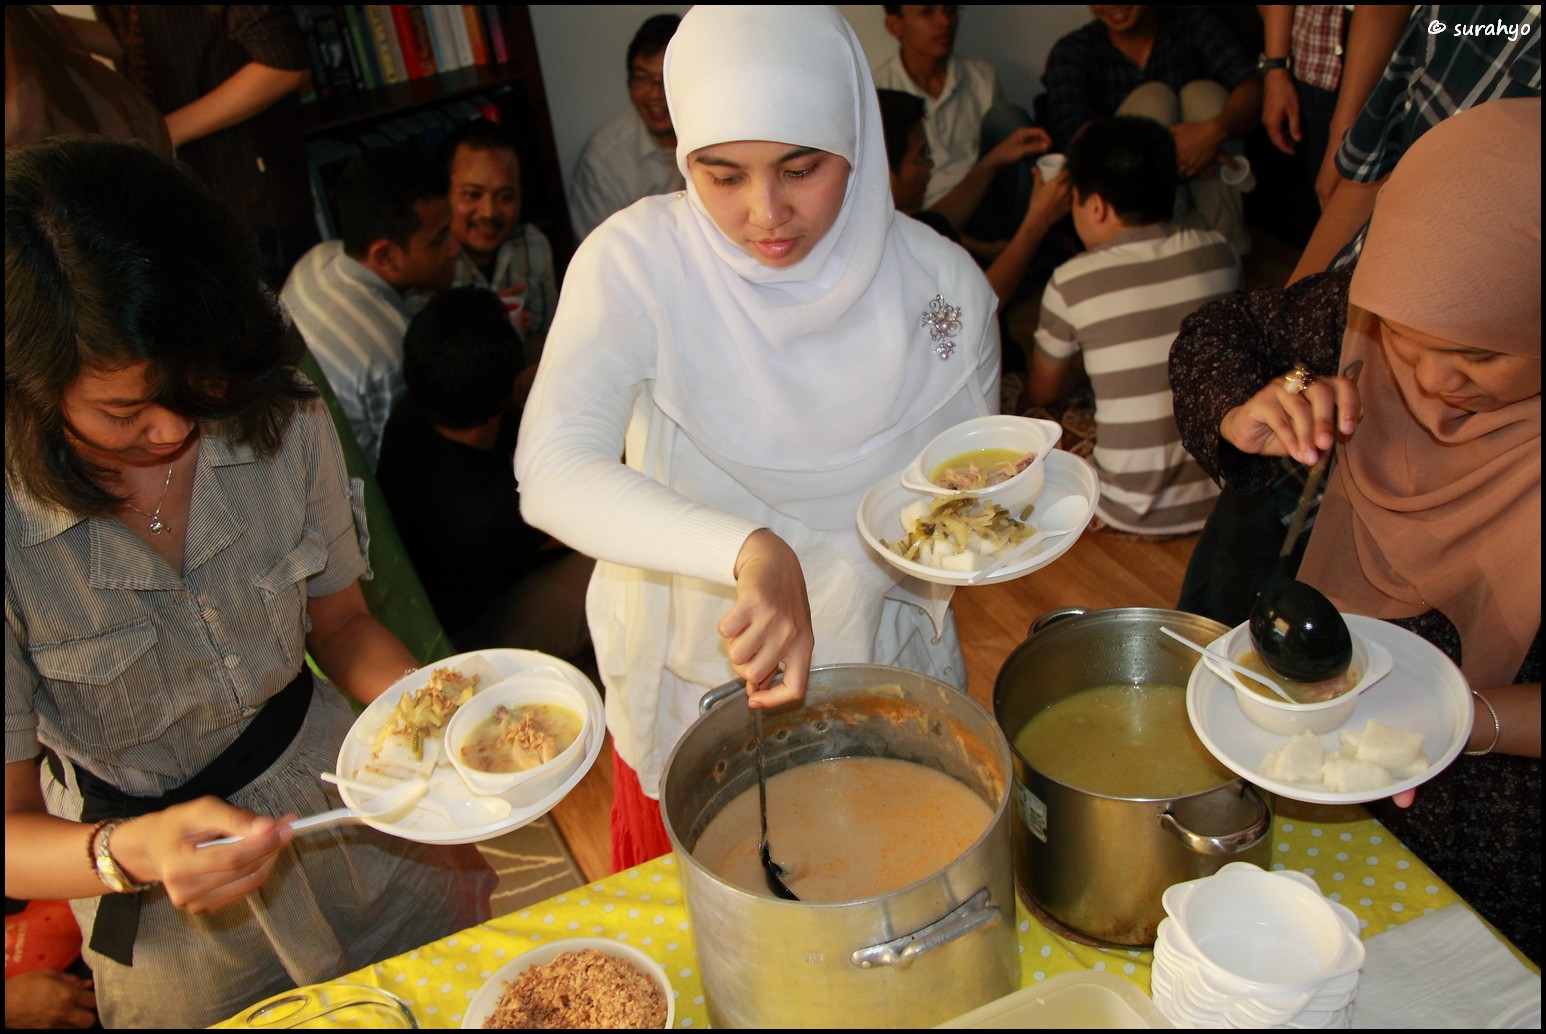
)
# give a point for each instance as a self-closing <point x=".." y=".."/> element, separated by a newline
<point x="1050" y="165"/>
<point x="1238" y="176"/>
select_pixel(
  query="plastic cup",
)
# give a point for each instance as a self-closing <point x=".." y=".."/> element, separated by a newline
<point x="1050" y="165"/>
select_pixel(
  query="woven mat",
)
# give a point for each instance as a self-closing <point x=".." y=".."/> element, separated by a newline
<point x="533" y="864"/>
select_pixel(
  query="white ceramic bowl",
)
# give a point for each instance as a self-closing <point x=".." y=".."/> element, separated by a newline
<point x="1278" y="715"/>
<point x="482" y="1005"/>
<point x="1015" y="433"/>
<point x="519" y="691"/>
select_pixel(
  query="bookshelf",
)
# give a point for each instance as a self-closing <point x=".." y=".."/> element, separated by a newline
<point x="344" y="115"/>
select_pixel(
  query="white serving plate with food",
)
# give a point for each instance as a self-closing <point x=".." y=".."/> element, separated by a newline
<point x="487" y="999"/>
<point x="880" y="513"/>
<point x="446" y="788"/>
<point x="1424" y="692"/>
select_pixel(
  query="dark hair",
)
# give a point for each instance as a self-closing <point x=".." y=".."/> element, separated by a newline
<point x="376" y="193"/>
<point x="461" y="357"/>
<point x="480" y="135"/>
<point x="894" y="9"/>
<point x="652" y="38"/>
<point x="1131" y="163"/>
<point x="900" y="114"/>
<point x="115" y="256"/>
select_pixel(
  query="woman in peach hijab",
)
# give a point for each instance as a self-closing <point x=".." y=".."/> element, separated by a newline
<point x="1432" y="516"/>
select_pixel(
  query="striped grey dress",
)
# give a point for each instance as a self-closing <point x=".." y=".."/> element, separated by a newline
<point x="143" y="675"/>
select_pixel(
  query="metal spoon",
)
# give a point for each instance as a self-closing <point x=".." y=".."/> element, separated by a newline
<point x="387" y="806"/>
<point x="1296" y="630"/>
<point x="1061" y="518"/>
<point x="775" y="872"/>
<point x="1232" y="668"/>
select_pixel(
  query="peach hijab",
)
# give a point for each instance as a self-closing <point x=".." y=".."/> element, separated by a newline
<point x="1442" y="509"/>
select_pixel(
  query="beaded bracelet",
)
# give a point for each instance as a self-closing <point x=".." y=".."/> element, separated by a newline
<point x="1497" y="727"/>
<point x="91" y="845"/>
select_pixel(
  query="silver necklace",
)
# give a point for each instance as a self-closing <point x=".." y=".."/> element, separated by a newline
<point x="157" y="525"/>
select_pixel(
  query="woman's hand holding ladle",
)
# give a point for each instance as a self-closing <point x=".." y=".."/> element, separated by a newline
<point x="1302" y="424"/>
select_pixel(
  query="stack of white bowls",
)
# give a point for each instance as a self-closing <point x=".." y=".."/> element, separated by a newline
<point x="1250" y="948"/>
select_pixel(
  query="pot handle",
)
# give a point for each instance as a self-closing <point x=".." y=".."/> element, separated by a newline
<point x="1232" y="843"/>
<point x="901" y="952"/>
<point x="1052" y="616"/>
<point x="719" y="694"/>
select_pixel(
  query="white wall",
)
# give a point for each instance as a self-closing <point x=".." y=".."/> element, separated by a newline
<point x="582" y="47"/>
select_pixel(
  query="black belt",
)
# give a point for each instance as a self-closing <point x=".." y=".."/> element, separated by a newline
<point x="249" y="755"/>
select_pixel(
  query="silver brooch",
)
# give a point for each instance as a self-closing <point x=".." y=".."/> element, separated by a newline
<point x="944" y="322"/>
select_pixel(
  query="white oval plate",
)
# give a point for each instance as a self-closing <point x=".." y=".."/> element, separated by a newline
<point x="880" y="517"/>
<point x="445" y="786"/>
<point x="1424" y="691"/>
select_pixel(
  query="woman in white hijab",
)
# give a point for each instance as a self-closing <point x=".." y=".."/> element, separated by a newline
<point x="760" y="350"/>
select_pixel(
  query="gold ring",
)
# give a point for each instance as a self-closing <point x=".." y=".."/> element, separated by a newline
<point x="1297" y="379"/>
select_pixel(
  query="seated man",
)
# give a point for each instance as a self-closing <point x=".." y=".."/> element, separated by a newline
<point x="349" y="298"/>
<point x="907" y="153"/>
<point x="1118" y="307"/>
<point x="1178" y="66"/>
<point x="634" y="155"/>
<point x="445" y="470"/>
<point x="979" y="143"/>
<point x="499" y="252"/>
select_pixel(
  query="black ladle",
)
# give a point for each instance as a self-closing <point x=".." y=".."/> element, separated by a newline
<point x="774" y="871"/>
<point x="1298" y="633"/>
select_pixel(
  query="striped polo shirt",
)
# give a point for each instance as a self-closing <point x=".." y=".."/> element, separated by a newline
<point x="353" y="322"/>
<point x="1121" y="304"/>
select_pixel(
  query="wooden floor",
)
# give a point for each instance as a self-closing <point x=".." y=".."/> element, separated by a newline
<point x="1099" y="571"/>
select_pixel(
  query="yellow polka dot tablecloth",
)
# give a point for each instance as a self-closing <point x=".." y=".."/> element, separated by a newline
<point x="1353" y="859"/>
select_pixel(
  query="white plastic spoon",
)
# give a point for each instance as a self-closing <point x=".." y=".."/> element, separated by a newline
<point x="497" y="808"/>
<point x="1231" y="671"/>
<point x="1061" y="518"/>
<point x="386" y="806"/>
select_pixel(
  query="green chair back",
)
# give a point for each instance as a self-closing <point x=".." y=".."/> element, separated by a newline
<point x="395" y="595"/>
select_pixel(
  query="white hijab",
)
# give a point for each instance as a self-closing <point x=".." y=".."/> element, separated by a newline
<point x="797" y="380"/>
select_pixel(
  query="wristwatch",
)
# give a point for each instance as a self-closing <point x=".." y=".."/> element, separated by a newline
<point x="108" y="870"/>
<point x="1265" y="64"/>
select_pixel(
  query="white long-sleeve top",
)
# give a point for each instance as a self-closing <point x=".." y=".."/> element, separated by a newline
<point x="603" y="468"/>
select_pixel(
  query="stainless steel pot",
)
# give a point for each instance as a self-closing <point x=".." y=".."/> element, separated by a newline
<point x="914" y="957"/>
<point x="1093" y="864"/>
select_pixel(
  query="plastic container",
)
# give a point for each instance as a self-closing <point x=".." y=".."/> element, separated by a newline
<point x="1068" y="1000"/>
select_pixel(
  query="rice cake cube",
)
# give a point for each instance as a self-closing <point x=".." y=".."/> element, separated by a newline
<point x="1387" y="746"/>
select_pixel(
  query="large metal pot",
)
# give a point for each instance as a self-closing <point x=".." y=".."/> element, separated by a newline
<point x="914" y="957"/>
<point x="1095" y="865"/>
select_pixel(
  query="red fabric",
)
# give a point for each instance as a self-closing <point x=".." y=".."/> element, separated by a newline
<point x="44" y="935"/>
<point x="638" y="834"/>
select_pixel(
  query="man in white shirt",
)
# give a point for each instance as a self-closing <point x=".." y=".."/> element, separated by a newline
<point x="633" y="155"/>
<point x="349" y="297"/>
<point x="965" y="114"/>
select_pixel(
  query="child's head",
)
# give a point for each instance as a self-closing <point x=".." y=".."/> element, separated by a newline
<point x="461" y="357"/>
<point x="1123" y="173"/>
<point x="907" y="149"/>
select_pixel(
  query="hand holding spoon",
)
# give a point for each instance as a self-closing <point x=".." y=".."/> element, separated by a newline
<point x="386" y="806"/>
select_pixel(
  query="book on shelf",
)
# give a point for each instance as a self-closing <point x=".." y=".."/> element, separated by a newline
<point x="474" y="22"/>
<point x="459" y="35"/>
<point x="439" y="42"/>
<point x="363" y="47"/>
<point x="383" y="43"/>
<point x="499" y="48"/>
<point x="421" y="39"/>
<point x="405" y="41"/>
<point x="332" y="64"/>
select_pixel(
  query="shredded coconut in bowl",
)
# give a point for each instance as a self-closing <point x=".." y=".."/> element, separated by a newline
<point x="586" y="988"/>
